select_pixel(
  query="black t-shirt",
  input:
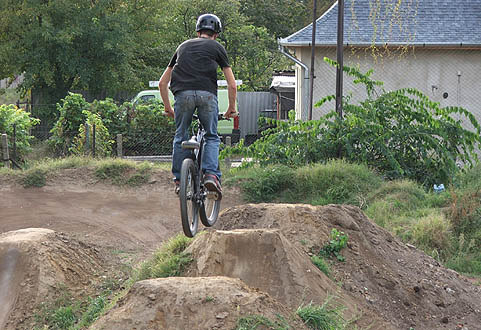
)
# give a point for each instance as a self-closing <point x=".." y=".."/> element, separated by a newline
<point x="195" y="65"/>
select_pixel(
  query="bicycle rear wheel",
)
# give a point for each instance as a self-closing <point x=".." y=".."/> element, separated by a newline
<point x="189" y="204"/>
<point x="209" y="210"/>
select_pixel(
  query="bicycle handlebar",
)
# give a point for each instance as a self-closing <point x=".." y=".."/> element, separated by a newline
<point x="219" y="117"/>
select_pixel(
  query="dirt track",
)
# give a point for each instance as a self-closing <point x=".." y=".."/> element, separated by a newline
<point x="136" y="219"/>
<point x="85" y="221"/>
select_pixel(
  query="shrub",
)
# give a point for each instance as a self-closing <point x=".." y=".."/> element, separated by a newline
<point x="103" y="143"/>
<point x="115" y="118"/>
<point x="334" y="182"/>
<point x="400" y="133"/>
<point x="432" y="233"/>
<point x="265" y="184"/>
<point x="149" y="131"/>
<point x="10" y="115"/>
<point x="71" y="116"/>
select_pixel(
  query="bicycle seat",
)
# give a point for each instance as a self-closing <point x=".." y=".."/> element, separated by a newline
<point x="191" y="144"/>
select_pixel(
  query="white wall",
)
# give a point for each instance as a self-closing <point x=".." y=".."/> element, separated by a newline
<point x="421" y="69"/>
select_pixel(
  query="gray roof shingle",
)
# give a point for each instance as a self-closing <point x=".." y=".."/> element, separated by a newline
<point x="414" y="22"/>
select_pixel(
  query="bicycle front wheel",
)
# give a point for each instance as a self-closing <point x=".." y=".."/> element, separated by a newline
<point x="188" y="195"/>
<point x="209" y="210"/>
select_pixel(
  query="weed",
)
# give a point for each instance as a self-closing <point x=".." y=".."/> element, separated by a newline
<point x="34" y="178"/>
<point x="337" y="242"/>
<point x="94" y="309"/>
<point x="432" y="232"/>
<point x="209" y="299"/>
<point x="252" y="322"/>
<point x="323" y="317"/>
<point x="169" y="260"/>
<point x="321" y="264"/>
<point x="122" y="172"/>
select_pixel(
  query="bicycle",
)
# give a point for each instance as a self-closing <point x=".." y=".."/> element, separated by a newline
<point x="195" y="199"/>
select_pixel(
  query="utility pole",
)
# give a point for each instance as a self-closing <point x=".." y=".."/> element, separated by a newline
<point x="313" y="57"/>
<point x="340" y="56"/>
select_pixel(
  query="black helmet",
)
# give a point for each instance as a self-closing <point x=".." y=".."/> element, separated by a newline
<point x="208" y="22"/>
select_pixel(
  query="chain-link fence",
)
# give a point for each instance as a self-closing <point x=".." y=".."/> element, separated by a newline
<point x="448" y="76"/>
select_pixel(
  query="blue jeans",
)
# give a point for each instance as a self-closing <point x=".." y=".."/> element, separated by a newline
<point x="186" y="102"/>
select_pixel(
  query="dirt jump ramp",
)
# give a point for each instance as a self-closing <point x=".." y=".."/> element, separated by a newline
<point x="403" y="285"/>
<point x="199" y="303"/>
<point x="34" y="264"/>
<point x="266" y="260"/>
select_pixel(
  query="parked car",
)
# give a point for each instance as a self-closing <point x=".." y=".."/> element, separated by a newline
<point x="224" y="128"/>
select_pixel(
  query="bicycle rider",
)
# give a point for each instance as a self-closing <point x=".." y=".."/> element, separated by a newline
<point x="192" y="74"/>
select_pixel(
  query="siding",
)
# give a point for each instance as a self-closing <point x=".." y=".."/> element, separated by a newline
<point x="250" y="105"/>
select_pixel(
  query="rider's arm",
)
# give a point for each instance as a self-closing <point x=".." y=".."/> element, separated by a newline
<point x="231" y="91"/>
<point x="164" y="91"/>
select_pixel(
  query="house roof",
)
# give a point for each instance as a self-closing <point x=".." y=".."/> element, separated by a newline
<point x="413" y="22"/>
<point x="283" y="83"/>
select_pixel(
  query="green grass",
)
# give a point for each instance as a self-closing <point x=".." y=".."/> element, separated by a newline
<point x="321" y="184"/>
<point x="36" y="177"/>
<point x="251" y="322"/>
<point x="116" y="171"/>
<point x="321" y="263"/>
<point x="169" y="260"/>
<point x="322" y="317"/>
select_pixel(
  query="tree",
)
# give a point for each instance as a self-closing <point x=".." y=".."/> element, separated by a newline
<point x="252" y="49"/>
<point x="64" y="45"/>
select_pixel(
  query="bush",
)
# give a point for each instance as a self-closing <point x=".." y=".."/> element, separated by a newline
<point x="149" y="131"/>
<point x="10" y="115"/>
<point x="432" y="233"/>
<point x="71" y="116"/>
<point x="334" y="182"/>
<point x="103" y="143"/>
<point x="400" y="133"/>
<point x="266" y="184"/>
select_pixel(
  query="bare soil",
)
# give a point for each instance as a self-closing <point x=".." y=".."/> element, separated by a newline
<point x="76" y="231"/>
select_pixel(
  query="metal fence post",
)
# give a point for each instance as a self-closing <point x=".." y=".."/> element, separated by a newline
<point x="93" y="140"/>
<point x="87" y="138"/>
<point x="14" y="153"/>
<point x="228" y="143"/>
<point x="119" y="146"/>
<point x="6" y="157"/>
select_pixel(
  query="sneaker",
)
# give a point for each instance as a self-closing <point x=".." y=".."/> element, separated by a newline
<point x="212" y="183"/>
<point x="177" y="187"/>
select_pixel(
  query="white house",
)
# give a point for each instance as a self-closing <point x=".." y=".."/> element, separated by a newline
<point x="434" y="46"/>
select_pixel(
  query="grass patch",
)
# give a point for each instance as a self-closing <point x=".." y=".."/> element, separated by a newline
<point x="124" y="172"/>
<point x="36" y="177"/>
<point x="120" y="172"/>
<point x="67" y="313"/>
<point x="252" y="322"/>
<point x="321" y="263"/>
<point x="169" y="260"/>
<point x="320" y="184"/>
<point x="322" y="317"/>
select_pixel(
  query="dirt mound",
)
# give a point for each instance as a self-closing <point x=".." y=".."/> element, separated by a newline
<point x="404" y="285"/>
<point x="192" y="303"/>
<point x="34" y="264"/>
<point x="266" y="260"/>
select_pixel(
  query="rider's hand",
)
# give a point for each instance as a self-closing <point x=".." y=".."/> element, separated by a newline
<point x="169" y="112"/>
<point x="230" y="113"/>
